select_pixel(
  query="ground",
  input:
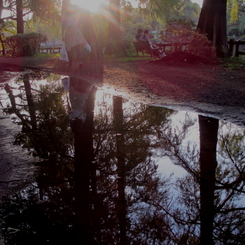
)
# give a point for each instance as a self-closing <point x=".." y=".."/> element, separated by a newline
<point x="183" y="83"/>
<point x="186" y="84"/>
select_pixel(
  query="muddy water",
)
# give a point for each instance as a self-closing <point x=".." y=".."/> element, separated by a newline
<point x="80" y="165"/>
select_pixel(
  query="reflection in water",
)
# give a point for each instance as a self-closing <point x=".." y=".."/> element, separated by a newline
<point x="208" y="164"/>
<point x="99" y="181"/>
<point x="82" y="96"/>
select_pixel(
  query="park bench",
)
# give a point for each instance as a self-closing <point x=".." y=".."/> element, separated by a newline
<point x="51" y="50"/>
<point x="143" y="47"/>
<point x="234" y="47"/>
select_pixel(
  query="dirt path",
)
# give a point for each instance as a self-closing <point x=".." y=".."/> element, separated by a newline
<point x="208" y="89"/>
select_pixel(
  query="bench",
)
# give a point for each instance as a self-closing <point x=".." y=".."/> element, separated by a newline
<point x="51" y="50"/>
<point x="143" y="47"/>
<point x="235" y="44"/>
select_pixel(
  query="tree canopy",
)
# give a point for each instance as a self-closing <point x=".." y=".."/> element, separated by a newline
<point x="45" y="10"/>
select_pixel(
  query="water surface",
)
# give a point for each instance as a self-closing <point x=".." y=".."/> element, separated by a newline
<point x="115" y="171"/>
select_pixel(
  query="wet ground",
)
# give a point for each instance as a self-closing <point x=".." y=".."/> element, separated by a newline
<point x="213" y="90"/>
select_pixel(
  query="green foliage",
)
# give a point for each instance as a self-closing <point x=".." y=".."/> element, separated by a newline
<point x="6" y="28"/>
<point x="42" y="11"/>
<point x="236" y="20"/>
<point x="191" y="11"/>
<point x="234" y="11"/>
<point x="45" y="10"/>
<point x="178" y="31"/>
<point x="25" y="44"/>
<point x="51" y="30"/>
<point x="161" y="9"/>
<point x="169" y="9"/>
<point x="134" y="19"/>
<point x="242" y="24"/>
<point x="234" y="63"/>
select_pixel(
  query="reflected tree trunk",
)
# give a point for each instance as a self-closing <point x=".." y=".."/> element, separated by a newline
<point x="208" y="141"/>
<point x="121" y="205"/>
<point x="20" y="21"/>
<point x="83" y="132"/>
<point x="30" y="101"/>
<point x="14" y="107"/>
<point x="1" y="8"/>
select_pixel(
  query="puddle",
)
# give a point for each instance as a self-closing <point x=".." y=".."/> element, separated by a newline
<point x="115" y="171"/>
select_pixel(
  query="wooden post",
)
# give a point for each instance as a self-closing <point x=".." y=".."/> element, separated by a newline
<point x="237" y="48"/>
<point x="231" y="44"/>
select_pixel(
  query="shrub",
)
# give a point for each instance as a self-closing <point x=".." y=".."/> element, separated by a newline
<point x="177" y="33"/>
<point x="185" y="39"/>
<point x="201" y="46"/>
<point x="25" y="44"/>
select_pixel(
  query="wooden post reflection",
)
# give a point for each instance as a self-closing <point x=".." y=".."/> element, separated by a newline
<point x="208" y="141"/>
<point x="121" y="205"/>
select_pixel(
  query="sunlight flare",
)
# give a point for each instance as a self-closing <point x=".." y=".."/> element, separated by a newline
<point x="91" y="5"/>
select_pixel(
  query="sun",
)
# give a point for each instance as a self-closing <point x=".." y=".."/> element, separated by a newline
<point x="91" y="5"/>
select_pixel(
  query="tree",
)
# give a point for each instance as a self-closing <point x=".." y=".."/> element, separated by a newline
<point x="5" y="5"/>
<point x="214" y="186"/>
<point x="212" y="22"/>
<point x="1" y="8"/>
<point x="41" y="9"/>
<point x="236" y="10"/>
<point x="19" y="17"/>
<point x="165" y="10"/>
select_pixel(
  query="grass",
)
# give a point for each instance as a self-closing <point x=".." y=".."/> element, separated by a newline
<point x="121" y="59"/>
<point x="134" y="58"/>
<point x="57" y="55"/>
<point x="234" y="62"/>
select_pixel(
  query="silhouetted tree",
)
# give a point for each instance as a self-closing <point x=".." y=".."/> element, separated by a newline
<point x="212" y="22"/>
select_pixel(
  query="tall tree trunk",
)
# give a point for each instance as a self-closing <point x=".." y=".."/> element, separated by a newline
<point x="212" y="22"/>
<point x="208" y="141"/>
<point x="64" y="6"/>
<point x="14" y="107"/>
<point x="20" y="21"/>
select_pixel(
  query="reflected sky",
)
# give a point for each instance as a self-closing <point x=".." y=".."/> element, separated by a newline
<point x="115" y="171"/>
